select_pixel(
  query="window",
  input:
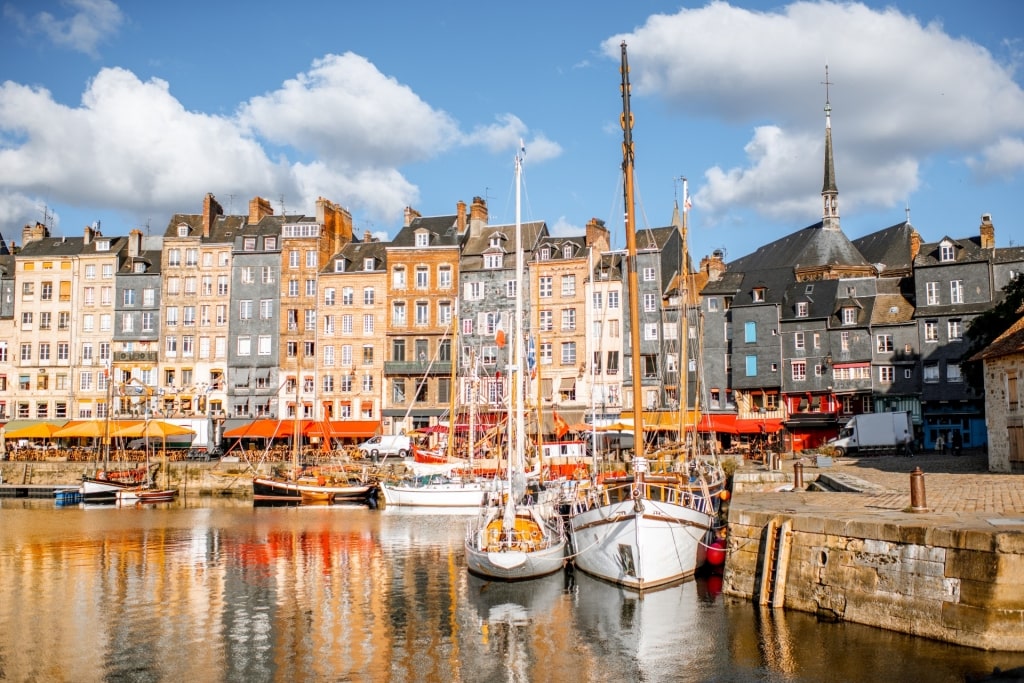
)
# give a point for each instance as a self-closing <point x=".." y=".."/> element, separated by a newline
<point x="946" y="252"/>
<point x="568" y="285"/>
<point x="956" y="291"/>
<point x="801" y="309"/>
<point x="613" y="362"/>
<point x="422" y="277"/>
<point x="398" y="277"/>
<point x="649" y="303"/>
<point x="369" y="296"/>
<point x="886" y="374"/>
<point x="931" y="331"/>
<point x="955" y="329"/>
<point x="931" y="293"/>
<point x="751" y="366"/>
<point x="347" y="296"/>
<point x="245" y="309"/>
<point x="750" y="332"/>
<point x="757" y="294"/>
<point x="474" y="291"/>
<point x="953" y="372"/>
<point x="884" y="343"/>
<point x="712" y="304"/>
<point x="648" y="274"/>
<point x="613" y="300"/>
<point x="849" y="315"/>
<point x="545" y="287"/>
<point x="799" y="342"/>
<point x="931" y="372"/>
<point x="511" y="287"/>
<point x="422" y="313"/>
<point x="367" y="324"/>
<point x="597" y="301"/>
<point x="799" y="370"/>
<point x="444" y="277"/>
<point x="329" y="294"/>
<point x="546" y="320"/>
<point x="493" y="260"/>
<point x="844" y="341"/>
<point x="650" y="331"/>
<point x="568" y="353"/>
<point x="569" y="319"/>
<point x="422" y="239"/>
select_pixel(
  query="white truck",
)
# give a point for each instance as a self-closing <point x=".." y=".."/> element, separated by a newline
<point x="875" y="433"/>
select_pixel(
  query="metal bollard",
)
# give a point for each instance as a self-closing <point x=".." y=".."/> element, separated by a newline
<point x="798" y="476"/>
<point x="917" y="497"/>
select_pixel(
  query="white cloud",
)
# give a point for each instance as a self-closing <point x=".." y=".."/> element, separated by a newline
<point x="892" y="108"/>
<point x="91" y="22"/>
<point x="564" y="228"/>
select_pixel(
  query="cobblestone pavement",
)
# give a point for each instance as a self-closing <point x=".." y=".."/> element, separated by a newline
<point x="955" y="484"/>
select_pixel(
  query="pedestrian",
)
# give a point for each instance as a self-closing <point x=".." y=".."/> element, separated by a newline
<point x="958" y="442"/>
<point x="940" y="443"/>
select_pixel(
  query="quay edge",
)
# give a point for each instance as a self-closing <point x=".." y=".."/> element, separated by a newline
<point x="952" y="577"/>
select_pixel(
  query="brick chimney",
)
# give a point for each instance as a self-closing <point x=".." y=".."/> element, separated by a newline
<point x="134" y="243"/>
<point x="259" y="208"/>
<point x="411" y="214"/>
<point x="713" y="265"/>
<point x="477" y="214"/>
<point x="598" y="235"/>
<point x="211" y="209"/>
<point x="915" y="244"/>
<point x="336" y="222"/>
<point x="32" y="233"/>
<point x="367" y="236"/>
<point x="87" y="235"/>
<point x="988" y="232"/>
<point x="460" y="221"/>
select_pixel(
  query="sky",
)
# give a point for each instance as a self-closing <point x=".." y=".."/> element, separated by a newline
<point x="127" y="113"/>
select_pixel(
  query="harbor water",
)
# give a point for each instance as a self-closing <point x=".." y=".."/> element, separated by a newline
<point x="217" y="590"/>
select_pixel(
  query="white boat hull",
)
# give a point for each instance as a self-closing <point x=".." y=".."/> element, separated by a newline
<point x="517" y="557"/>
<point x="514" y="565"/>
<point x="434" y="495"/>
<point x="640" y="544"/>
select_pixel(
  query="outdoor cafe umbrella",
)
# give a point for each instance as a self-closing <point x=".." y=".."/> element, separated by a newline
<point x="40" y="430"/>
<point x="152" y="429"/>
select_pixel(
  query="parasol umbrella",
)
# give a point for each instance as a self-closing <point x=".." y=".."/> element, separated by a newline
<point x="40" y="430"/>
<point x="88" y="429"/>
<point x="152" y="429"/>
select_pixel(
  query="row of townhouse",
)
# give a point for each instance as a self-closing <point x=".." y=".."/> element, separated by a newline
<point x="813" y="328"/>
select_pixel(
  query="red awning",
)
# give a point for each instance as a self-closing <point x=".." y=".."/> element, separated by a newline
<point x="341" y="429"/>
<point x="721" y="423"/>
<point x="267" y="429"/>
<point x="753" y="426"/>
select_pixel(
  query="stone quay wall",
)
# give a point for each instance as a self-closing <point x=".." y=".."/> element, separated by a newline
<point x="945" y="577"/>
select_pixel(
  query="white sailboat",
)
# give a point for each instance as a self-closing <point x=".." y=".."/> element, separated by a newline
<point x="641" y="530"/>
<point x="518" y="534"/>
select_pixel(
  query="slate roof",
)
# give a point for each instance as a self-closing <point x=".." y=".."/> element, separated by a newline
<point x="478" y="242"/>
<point x="811" y="246"/>
<point x="355" y="253"/>
<point x="888" y="248"/>
<point x="968" y="250"/>
<point x="891" y="307"/>
<point x="224" y="228"/>
<point x="654" y="239"/>
<point x="443" y="230"/>
<point x="69" y="246"/>
<point x="819" y="300"/>
<point x="1008" y="343"/>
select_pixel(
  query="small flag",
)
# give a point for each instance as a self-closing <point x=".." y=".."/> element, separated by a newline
<point x="499" y="338"/>
<point x="687" y="204"/>
<point x="561" y="426"/>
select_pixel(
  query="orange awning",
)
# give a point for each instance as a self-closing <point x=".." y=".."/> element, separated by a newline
<point x="722" y="423"/>
<point x="267" y="429"/>
<point x="341" y="429"/>
<point x="753" y="426"/>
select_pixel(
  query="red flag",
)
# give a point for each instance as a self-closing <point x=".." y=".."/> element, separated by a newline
<point x="561" y="426"/>
<point x="499" y="338"/>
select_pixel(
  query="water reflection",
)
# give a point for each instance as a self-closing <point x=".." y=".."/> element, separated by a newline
<point x="230" y="592"/>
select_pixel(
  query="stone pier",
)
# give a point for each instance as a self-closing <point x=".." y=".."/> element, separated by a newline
<point x="953" y="572"/>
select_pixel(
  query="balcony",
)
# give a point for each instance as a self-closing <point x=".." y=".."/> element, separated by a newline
<point x="136" y="356"/>
<point x="393" y="367"/>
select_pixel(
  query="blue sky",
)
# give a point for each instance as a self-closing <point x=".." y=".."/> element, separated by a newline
<point x="127" y="113"/>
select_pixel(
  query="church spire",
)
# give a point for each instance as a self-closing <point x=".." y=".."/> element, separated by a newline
<point x="829" y="192"/>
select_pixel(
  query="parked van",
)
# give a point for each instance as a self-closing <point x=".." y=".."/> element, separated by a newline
<point x="386" y="445"/>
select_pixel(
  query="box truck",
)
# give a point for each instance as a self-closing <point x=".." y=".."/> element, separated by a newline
<point x="875" y="433"/>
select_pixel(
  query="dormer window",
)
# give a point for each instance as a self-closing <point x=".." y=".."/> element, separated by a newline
<point x="367" y="264"/>
<point x="102" y="245"/>
<point x="946" y="252"/>
<point x="808" y="289"/>
<point x="801" y="309"/>
<point x="545" y="253"/>
<point x="339" y="265"/>
<point x="422" y="239"/>
<point x="495" y="242"/>
<point x="493" y="260"/>
<point x="567" y="251"/>
<point x="758" y="294"/>
<point x="269" y="243"/>
<point x="183" y="229"/>
<point x="249" y="244"/>
<point x="138" y="267"/>
<point x="849" y="315"/>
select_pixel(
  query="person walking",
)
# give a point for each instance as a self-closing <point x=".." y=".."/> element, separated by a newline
<point x="958" y="442"/>
<point x="940" y="443"/>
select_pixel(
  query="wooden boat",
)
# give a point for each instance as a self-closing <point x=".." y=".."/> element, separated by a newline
<point x="643" y="530"/>
<point x="145" y="494"/>
<point x="105" y="484"/>
<point x="321" y="488"/>
<point x="518" y="533"/>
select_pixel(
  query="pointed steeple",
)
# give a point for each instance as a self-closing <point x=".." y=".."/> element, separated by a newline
<point x="829" y="192"/>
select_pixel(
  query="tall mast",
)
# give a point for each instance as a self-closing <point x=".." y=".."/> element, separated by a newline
<point x="517" y="337"/>
<point x="632" y="281"/>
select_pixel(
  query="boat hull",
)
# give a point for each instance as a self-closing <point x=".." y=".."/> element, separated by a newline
<point x="433" y="495"/>
<point x="534" y="547"/>
<point x="145" y="495"/>
<point x="96" y="490"/>
<point x="640" y="543"/>
<point x="515" y="565"/>
<point x="264" y="488"/>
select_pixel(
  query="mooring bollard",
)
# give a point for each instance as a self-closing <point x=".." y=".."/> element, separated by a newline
<point x="798" y="476"/>
<point x="917" y="499"/>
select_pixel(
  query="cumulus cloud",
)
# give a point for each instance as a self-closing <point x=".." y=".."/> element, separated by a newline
<point x="90" y="22"/>
<point x="890" y="105"/>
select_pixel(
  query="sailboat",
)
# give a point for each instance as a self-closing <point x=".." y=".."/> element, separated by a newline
<point x="642" y="530"/>
<point x="298" y="487"/>
<point x="518" y="534"/>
